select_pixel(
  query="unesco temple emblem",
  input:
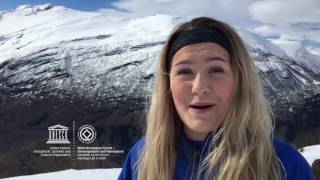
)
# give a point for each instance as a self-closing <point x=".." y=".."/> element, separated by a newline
<point x="58" y="134"/>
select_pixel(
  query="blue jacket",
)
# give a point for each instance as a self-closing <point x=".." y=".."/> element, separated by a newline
<point x="294" y="166"/>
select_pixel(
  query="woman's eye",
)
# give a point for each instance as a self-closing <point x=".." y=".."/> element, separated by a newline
<point x="184" y="72"/>
<point x="216" y="70"/>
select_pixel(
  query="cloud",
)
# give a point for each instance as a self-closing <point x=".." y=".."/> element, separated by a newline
<point x="289" y="32"/>
<point x="266" y="30"/>
<point x="232" y="11"/>
<point x="276" y="19"/>
<point x="314" y="50"/>
<point x="285" y="11"/>
<point x="290" y="20"/>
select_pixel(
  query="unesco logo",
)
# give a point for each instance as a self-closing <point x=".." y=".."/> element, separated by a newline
<point x="87" y="134"/>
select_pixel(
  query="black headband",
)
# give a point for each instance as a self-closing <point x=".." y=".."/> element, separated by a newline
<point x="196" y="36"/>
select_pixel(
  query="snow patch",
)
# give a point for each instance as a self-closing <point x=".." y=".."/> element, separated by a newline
<point x="96" y="174"/>
<point x="311" y="153"/>
<point x="257" y="42"/>
<point x="300" y="54"/>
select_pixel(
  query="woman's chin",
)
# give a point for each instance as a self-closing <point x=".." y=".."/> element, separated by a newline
<point x="198" y="131"/>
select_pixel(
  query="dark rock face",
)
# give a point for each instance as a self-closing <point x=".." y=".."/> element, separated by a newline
<point x="293" y="92"/>
<point x="316" y="169"/>
<point x="305" y="129"/>
<point x="109" y="90"/>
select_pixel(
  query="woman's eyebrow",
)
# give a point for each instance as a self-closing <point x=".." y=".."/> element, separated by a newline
<point x="208" y="59"/>
<point x="187" y="61"/>
<point x="215" y="58"/>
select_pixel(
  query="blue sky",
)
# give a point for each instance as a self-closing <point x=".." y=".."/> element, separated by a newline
<point x="84" y="5"/>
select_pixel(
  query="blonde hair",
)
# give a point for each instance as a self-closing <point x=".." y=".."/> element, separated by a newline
<point x="243" y="147"/>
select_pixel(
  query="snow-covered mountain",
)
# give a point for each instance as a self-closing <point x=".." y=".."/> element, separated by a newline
<point x="59" y="65"/>
<point x="300" y="54"/>
<point x="73" y="40"/>
<point x="29" y="28"/>
<point x="256" y="42"/>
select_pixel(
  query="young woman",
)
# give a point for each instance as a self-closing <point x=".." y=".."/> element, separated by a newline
<point x="208" y="117"/>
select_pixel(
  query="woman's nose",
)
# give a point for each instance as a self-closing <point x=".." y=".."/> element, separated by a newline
<point x="201" y="85"/>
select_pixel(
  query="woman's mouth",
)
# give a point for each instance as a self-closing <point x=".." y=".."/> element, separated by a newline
<point x="199" y="108"/>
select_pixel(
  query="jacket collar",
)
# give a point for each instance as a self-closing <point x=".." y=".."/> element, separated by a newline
<point x="187" y="147"/>
<point x="188" y="151"/>
<point x="188" y="144"/>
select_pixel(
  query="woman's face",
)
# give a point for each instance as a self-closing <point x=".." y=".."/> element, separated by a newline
<point x="201" y="82"/>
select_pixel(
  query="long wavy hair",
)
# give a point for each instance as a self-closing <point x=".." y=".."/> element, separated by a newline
<point x="243" y="148"/>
